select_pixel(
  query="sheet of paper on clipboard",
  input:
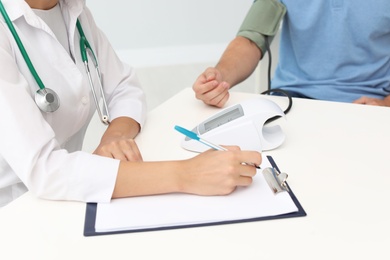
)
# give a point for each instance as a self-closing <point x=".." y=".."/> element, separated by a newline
<point x="256" y="202"/>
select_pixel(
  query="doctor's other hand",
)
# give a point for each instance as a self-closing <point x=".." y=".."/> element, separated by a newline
<point x="219" y="172"/>
<point x="123" y="149"/>
<point x="211" y="89"/>
<point x="118" y="141"/>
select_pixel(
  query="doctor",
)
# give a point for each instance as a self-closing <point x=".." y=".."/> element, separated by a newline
<point x="40" y="150"/>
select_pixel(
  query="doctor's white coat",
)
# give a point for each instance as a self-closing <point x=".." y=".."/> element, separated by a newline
<point x="42" y="150"/>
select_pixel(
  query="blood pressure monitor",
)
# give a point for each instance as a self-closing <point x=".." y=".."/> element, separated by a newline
<point x="242" y="124"/>
<point x="220" y="119"/>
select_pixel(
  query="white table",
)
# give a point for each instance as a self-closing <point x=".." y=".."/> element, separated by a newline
<point x="336" y="155"/>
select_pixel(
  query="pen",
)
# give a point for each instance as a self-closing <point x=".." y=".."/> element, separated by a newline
<point x="194" y="136"/>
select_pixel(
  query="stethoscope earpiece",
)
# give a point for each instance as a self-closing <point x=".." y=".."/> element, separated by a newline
<point x="47" y="100"/>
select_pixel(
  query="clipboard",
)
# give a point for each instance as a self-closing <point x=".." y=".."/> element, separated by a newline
<point x="91" y="213"/>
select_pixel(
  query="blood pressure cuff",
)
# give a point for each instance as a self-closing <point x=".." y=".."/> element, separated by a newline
<point x="262" y="20"/>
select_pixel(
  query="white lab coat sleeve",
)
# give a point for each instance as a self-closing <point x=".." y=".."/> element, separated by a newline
<point x="28" y="144"/>
<point x="124" y="94"/>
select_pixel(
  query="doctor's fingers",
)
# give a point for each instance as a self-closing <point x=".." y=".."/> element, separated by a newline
<point x="244" y="181"/>
<point x="124" y="150"/>
<point x="246" y="174"/>
<point x="126" y="155"/>
<point x="133" y="154"/>
<point x="250" y="159"/>
<point x="128" y="151"/>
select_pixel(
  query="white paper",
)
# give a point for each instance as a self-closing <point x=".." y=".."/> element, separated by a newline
<point x="257" y="200"/>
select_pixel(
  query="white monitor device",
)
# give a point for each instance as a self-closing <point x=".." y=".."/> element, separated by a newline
<point x="241" y="124"/>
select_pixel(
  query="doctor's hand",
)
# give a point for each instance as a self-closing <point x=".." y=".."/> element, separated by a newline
<point x="118" y="141"/>
<point x="373" y="101"/>
<point x="211" y="89"/>
<point x="219" y="172"/>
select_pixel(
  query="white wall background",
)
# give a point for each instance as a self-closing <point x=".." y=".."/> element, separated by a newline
<point x="169" y="42"/>
<point x="134" y="24"/>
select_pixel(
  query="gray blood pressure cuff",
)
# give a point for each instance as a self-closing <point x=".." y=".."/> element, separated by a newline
<point x="262" y="20"/>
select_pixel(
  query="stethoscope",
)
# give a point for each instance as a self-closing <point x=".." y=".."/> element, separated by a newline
<point x="47" y="99"/>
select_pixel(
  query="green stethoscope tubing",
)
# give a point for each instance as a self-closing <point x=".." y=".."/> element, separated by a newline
<point x="21" y="47"/>
<point x="84" y="47"/>
<point x="46" y="99"/>
<point x="84" y="44"/>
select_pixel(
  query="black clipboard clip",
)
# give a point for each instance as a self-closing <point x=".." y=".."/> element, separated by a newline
<point x="276" y="180"/>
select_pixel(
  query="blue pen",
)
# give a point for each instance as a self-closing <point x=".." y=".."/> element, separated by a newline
<point x="194" y="136"/>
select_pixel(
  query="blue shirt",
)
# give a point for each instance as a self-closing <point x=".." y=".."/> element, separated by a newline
<point x="336" y="50"/>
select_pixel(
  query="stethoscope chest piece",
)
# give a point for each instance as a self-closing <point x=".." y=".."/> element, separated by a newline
<point x="47" y="100"/>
